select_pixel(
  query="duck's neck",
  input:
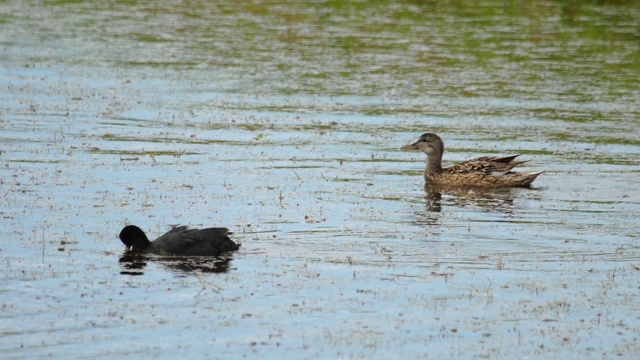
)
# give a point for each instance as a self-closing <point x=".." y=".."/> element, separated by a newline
<point x="434" y="164"/>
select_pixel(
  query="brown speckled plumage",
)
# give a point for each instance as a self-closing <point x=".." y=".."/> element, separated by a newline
<point x="484" y="171"/>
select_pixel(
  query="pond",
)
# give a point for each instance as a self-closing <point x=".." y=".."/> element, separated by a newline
<point x="283" y="122"/>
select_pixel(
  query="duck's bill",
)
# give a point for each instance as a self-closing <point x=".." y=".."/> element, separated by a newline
<point x="413" y="146"/>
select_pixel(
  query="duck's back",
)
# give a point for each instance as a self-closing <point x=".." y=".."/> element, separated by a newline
<point x="484" y="172"/>
<point x="193" y="242"/>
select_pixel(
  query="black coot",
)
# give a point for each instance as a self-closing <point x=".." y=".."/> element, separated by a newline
<point x="180" y="241"/>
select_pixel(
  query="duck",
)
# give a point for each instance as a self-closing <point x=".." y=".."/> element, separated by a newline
<point x="486" y="171"/>
<point x="179" y="241"/>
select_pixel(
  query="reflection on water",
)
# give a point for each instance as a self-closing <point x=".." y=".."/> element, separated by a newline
<point x="433" y="200"/>
<point x="134" y="263"/>
<point x="487" y="199"/>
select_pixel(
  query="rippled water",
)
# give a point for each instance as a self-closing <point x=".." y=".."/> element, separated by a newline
<point x="283" y="122"/>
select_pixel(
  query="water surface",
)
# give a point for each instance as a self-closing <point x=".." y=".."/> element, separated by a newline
<point x="283" y="122"/>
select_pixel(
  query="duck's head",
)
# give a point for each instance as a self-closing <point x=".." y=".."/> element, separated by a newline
<point x="429" y="143"/>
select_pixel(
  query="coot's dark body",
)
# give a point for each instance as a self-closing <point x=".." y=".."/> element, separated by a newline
<point x="180" y="241"/>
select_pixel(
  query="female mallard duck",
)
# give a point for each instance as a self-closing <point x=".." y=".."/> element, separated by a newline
<point x="483" y="171"/>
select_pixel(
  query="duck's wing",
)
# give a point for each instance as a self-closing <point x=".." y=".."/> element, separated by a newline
<point x="486" y="165"/>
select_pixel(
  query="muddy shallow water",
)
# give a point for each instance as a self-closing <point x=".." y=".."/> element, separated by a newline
<point x="283" y="122"/>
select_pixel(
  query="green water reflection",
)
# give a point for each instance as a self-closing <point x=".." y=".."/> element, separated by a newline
<point x="573" y="51"/>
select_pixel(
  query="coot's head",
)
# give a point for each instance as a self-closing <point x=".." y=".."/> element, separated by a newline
<point x="134" y="238"/>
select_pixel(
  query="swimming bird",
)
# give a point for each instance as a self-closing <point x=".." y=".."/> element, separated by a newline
<point x="180" y="241"/>
<point x="484" y="171"/>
